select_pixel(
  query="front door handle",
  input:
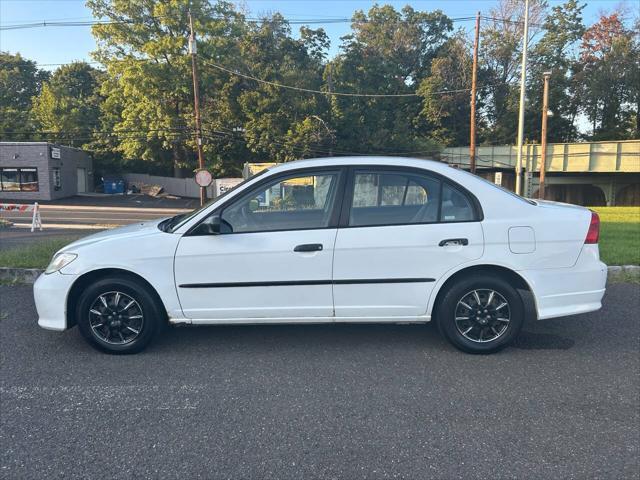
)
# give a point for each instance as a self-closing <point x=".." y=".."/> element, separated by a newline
<point x="451" y="242"/>
<point x="308" y="247"/>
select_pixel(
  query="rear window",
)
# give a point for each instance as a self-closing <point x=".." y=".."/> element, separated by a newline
<point x="501" y="188"/>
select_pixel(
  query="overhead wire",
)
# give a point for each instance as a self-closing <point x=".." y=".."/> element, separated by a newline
<point x="90" y="23"/>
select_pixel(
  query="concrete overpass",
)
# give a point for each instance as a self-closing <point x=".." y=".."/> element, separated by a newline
<point x="589" y="173"/>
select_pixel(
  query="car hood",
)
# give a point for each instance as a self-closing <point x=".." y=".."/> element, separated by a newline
<point x="128" y="231"/>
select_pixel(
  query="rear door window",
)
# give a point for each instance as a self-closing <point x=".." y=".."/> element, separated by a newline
<point x="390" y="198"/>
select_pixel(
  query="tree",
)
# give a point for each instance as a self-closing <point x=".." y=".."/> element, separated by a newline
<point x="150" y="86"/>
<point x="447" y="115"/>
<point x="277" y="124"/>
<point x="500" y="57"/>
<point x="563" y="29"/>
<point x="389" y="52"/>
<point x="20" y="81"/>
<point x="608" y="78"/>
<point x="68" y="106"/>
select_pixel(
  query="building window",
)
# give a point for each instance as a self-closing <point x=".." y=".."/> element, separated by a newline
<point x="18" y="179"/>
<point x="57" y="184"/>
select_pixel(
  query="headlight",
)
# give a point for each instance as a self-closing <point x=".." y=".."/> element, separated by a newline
<point x="59" y="261"/>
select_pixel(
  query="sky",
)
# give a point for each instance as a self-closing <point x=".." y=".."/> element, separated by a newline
<point x="55" y="45"/>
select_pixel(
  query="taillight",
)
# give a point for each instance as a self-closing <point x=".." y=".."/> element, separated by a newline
<point x="594" y="229"/>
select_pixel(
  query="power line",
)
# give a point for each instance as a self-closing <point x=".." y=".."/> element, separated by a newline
<point x="307" y="90"/>
<point x="280" y="142"/>
<point x="332" y="93"/>
<point x="90" y="23"/>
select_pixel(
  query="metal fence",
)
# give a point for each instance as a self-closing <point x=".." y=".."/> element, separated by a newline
<point x="602" y="157"/>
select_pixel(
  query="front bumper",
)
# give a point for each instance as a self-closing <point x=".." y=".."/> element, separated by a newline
<point x="50" y="293"/>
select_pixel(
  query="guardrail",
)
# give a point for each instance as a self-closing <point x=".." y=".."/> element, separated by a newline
<point x="36" y="220"/>
<point x="586" y="157"/>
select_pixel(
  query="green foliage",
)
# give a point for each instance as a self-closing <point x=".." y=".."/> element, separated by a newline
<point x="149" y="95"/>
<point x="389" y="51"/>
<point x="137" y="112"/>
<point x="69" y="102"/>
<point x="447" y="116"/>
<point x="608" y="79"/>
<point x="555" y="53"/>
<point x="36" y="254"/>
<point x="619" y="235"/>
<point x="20" y="80"/>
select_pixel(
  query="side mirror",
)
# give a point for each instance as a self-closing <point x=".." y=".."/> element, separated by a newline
<point x="215" y="224"/>
<point x="210" y="226"/>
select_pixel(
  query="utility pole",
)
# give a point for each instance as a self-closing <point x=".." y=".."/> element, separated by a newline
<point x="193" y="50"/>
<point x="523" y="78"/>
<point x="543" y="140"/>
<point x="330" y="100"/>
<point x="474" y="78"/>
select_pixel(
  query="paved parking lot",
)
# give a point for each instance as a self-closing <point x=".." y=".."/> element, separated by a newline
<point x="334" y="401"/>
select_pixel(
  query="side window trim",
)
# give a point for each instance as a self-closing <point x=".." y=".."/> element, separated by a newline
<point x="333" y="217"/>
<point x="345" y="212"/>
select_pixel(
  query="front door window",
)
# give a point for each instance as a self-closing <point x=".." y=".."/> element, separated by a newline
<point x="292" y="203"/>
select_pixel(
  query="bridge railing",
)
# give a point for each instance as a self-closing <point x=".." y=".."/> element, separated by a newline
<point x="604" y="157"/>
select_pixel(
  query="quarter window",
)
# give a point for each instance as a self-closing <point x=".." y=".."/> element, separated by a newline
<point x="293" y="203"/>
<point x="18" y="179"/>
<point x="456" y="206"/>
<point x="394" y="198"/>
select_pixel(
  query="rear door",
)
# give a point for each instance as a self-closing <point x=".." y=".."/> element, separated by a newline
<point x="401" y="230"/>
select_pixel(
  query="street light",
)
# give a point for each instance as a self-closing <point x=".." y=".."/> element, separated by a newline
<point x="543" y="140"/>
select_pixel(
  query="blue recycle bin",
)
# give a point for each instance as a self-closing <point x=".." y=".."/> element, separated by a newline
<point x="113" y="186"/>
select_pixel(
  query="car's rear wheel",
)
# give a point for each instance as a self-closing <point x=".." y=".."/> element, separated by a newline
<point x="118" y="315"/>
<point x="481" y="314"/>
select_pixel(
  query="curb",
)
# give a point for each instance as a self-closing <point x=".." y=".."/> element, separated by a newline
<point x="69" y="226"/>
<point x="19" y="275"/>
<point x="80" y="208"/>
<point x="28" y="276"/>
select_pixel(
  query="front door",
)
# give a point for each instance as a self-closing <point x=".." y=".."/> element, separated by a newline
<point x="273" y="257"/>
<point x="402" y="232"/>
<point x="82" y="180"/>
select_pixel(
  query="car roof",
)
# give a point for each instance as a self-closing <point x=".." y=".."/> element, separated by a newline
<point x="432" y="165"/>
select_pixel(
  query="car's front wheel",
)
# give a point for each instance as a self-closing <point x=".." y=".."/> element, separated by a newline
<point x="481" y="314"/>
<point x="118" y="315"/>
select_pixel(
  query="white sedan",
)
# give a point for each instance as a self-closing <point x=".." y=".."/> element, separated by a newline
<point x="355" y="239"/>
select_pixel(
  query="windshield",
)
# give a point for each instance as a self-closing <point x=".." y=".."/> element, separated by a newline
<point x="176" y="222"/>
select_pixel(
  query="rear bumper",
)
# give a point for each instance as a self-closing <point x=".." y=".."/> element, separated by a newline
<point x="50" y="293"/>
<point x="569" y="291"/>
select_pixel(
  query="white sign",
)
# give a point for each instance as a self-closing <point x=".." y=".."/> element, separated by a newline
<point x="55" y="152"/>
<point x="528" y="185"/>
<point x="203" y="178"/>
<point x="223" y="185"/>
<point x="498" y="178"/>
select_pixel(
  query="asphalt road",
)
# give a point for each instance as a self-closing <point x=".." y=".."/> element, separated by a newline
<point x="93" y="215"/>
<point x="336" y="401"/>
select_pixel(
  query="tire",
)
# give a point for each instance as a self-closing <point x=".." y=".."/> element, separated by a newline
<point x="480" y="330"/>
<point x="119" y="315"/>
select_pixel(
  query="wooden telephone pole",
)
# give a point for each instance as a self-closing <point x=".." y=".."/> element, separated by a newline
<point x="193" y="50"/>
<point x="474" y="78"/>
<point x="543" y="141"/>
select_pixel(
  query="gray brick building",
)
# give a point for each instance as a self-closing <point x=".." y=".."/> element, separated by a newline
<point x="32" y="171"/>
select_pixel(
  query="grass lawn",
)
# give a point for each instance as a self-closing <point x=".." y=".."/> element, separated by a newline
<point x="33" y="255"/>
<point x="619" y="242"/>
<point x="619" y="235"/>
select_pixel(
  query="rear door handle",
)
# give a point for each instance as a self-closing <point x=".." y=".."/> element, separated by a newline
<point x="308" y="247"/>
<point x="451" y="242"/>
